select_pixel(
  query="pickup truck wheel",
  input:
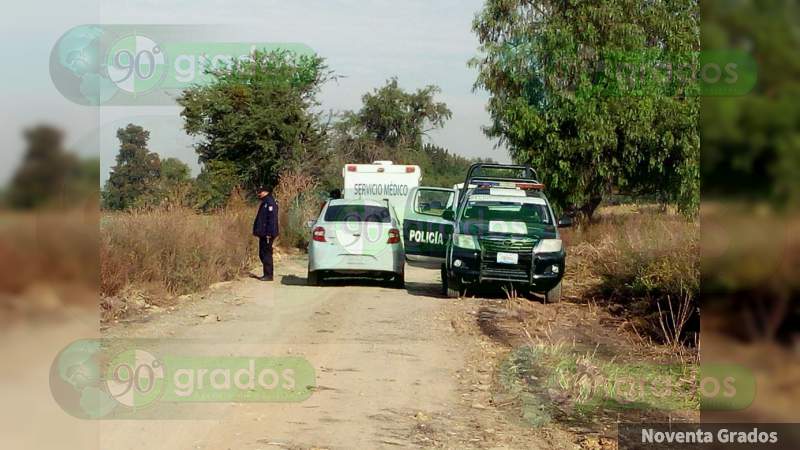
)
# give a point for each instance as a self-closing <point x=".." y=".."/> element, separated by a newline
<point x="444" y="280"/>
<point x="451" y="288"/>
<point x="553" y="295"/>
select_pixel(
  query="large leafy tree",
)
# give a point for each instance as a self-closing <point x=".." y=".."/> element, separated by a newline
<point x="258" y="114"/>
<point x="214" y="185"/>
<point x="136" y="175"/>
<point x="391" y="116"/>
<point x="46" y="172"/>
<point x="561" y="96"/>
<point x="751" y="143"/>
<point x="50" y="175"/>
<point x="391" y="125"/>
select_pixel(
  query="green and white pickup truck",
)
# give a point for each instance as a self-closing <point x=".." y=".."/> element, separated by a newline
<point x="498" y="227"/>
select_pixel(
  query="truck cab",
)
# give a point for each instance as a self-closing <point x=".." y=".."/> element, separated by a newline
<point x="498" y="226"/>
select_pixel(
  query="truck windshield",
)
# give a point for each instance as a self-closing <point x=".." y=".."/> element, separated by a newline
<point x="357" y="213"/>
<point x="480" y="215"/>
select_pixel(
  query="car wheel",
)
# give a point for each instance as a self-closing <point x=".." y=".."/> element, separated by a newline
<point x="313" y="278"/>
<point x="553" y="295"/>
<point x="399" y="280"/>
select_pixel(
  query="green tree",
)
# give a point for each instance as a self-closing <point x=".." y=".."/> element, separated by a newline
<point x="751" y="143"/>
<point x="390" y="125"/>
<point x="47" y="171"/>
<point x="552" y="69"/>
<point x="214" y="185"/>
<point x="389" y="115"/>
<point x="172" y="188"/>
<point x="258" y="114"/>
<point x="137" y="172"/>
<point x="174" y="171"/>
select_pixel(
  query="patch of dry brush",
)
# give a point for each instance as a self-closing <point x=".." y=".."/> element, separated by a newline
<point x="48" y="259"/>
<point x="644" y="263"/>
<point x="173" y="251"/>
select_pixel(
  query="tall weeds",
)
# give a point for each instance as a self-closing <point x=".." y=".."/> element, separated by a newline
<point x="646" y="261"/>
<point x="298" y="198"/>
<point x="174" y="250"/>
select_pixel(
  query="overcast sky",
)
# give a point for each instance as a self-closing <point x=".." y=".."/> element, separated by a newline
<point x="366" y="42"/>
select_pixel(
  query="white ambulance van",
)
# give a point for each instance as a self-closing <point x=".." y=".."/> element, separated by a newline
<point x="381" y="180"/>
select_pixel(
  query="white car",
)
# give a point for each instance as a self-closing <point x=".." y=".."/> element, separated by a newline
<point x="356" y="237"/>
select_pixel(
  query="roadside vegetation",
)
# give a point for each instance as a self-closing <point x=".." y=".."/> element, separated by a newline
<point x="644" y="263"/>
<point x="149" y="257"/>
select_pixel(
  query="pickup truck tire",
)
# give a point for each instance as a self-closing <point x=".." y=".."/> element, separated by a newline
<point x="450" y="289"/>
<point x="444" y="280"/>
<point x="553" y="295"/>
<point x="453" y="293"/>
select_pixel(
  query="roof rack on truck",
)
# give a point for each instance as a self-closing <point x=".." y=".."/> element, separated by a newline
<point x="500" y="175"/>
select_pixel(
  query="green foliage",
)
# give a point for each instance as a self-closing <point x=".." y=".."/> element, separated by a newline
<point x="442" y="168"/>
<point x="86" y="180"/>
<point x="214" y="185"/>
<point x="751" y="143"/>
<point x="174" y="171"/>
<point x="390" y="126"/>
<point x="551" y="68"/>
<point x="396" y="118"/>
<point x="257" y="114"/>
<point x="136" y="174"/>
<point x="171" y="188"/>
<point x="49" y="174"/>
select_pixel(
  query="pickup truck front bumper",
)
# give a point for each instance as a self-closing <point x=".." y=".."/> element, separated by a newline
<point x="539" y="271"/>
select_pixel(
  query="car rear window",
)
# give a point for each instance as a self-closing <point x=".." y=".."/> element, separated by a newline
<point x="357" y="213"/>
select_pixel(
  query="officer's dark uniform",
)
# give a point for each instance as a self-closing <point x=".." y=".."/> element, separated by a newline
<point x="265" y="227"/>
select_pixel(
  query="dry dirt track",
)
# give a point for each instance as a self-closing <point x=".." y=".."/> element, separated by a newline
<point x="387" y="362"/>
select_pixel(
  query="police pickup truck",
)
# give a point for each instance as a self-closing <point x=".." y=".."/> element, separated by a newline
<point x="496" y="227"/>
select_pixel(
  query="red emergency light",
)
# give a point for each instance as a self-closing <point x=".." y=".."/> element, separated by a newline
<point x="536" y="186"/>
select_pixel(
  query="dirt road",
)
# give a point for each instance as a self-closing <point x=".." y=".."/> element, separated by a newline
<point x="393" y="369"/>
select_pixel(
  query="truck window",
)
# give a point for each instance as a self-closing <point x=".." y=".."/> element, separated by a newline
<point x="507" y="211"/>
<point x="358" y="213"/>
<point x="433" y="203"/>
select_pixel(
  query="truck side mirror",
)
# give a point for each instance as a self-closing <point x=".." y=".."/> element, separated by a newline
<point x="565" y="222"/>
<point x="449" y="215"/>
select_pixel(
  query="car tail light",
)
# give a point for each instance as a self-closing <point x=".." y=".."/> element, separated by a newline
<point x="410" y="169"/>
<point x="319" y="234"/>
<point x="351" y="168"/>
<point x="394" y="236"/>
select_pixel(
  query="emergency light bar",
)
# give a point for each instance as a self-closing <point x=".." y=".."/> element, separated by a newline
<point x="377" y="168"/>
<point x="509" y="185"/>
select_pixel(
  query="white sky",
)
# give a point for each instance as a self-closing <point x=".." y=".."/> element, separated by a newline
<point x="366" y="42"/>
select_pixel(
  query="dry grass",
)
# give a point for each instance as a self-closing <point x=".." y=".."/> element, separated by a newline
<point x="173" y="251"/>
<point x="750" y="267"/>
<point x="48" y="259"/>
<point x="51" y="245"/>
<point x="151" y="255"/>
<point x="644" y="262"/>
<point x="297" y="195"/>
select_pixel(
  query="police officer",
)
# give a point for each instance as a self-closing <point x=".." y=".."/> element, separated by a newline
<point x="265" y="228"/>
